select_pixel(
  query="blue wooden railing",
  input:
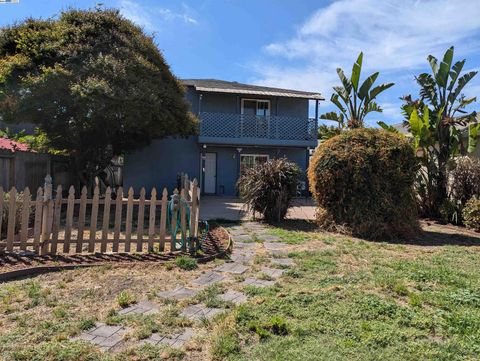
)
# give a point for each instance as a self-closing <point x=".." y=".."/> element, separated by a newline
<point x="252" y="129"/>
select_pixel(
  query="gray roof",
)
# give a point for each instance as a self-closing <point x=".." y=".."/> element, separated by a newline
<point x="222" y="86"/>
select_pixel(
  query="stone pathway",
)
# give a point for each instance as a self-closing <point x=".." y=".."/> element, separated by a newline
<point x="232" y="267"/>
<point x="199" y="312"/>
<point x="175" y="340"/>
<point x="233" y="296"/>
<point x="104" y="336"/>
<point x="257" y="282"/>
<point x="272" y="272"/>
<point x="276" y="248"/>
<point x="245" y="237"/>
<point x="142" y="308"/>
<point x="179" y="293"/>
<point x="208" y="278"/>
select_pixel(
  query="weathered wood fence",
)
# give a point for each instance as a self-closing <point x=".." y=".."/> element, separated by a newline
<point x="115" y="222"/>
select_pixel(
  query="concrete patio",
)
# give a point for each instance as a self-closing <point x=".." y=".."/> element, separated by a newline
<point x="232" y="209"/>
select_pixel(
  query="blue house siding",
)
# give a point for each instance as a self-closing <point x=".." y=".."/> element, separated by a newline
<point x="286" y="132"/>
<point x="158" y="164"/>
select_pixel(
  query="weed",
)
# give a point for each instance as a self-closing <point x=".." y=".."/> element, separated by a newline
<point x="186" y="263"/>
<point x="125" y="299"/>
<point x="86" y="324"/>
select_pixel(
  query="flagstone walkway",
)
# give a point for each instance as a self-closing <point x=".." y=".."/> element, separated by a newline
<point x="232" y="275"/>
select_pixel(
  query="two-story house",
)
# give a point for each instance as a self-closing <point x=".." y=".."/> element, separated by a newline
<point x="240" y="125"/>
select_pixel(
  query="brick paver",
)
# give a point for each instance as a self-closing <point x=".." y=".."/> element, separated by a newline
<point x="179" y="293"/>
<point x="272" y="272"/>
<point x="142" y="307"/>
<point x="234" y="297"/>
<point x="199" y="312"/>
<point x="104" y="336"/>
<point x="232" y="267"/>
<point x="174" y="340"/>
<point x="208" y="278"/>
<point x="257" y="283"/>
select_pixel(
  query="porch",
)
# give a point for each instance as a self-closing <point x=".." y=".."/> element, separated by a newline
<point x="231" y="208"/>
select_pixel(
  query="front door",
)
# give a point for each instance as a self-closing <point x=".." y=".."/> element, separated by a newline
<point x="210" y="173"/>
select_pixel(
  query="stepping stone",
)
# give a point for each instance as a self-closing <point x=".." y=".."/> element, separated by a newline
<point x="175" y="340"/>
<point x="287" y="262"/>
<point x="257" y="283"/>
<point x="232" y="267"/>
<point x="242" y="238"/>
<point x="199" y="312"/>
<point x="104" y="336"/>
<point x="233" y="296"/>
<point x="276" y="248"/>
<point x="208" y="278"/>
<point x="268" y="237"/>
<point x="179" y="293"/>
<point x="244" y="245"/>
<point x="142" y="308"/>
<point x="272" y="272"/>
<point x="242" y="257"/>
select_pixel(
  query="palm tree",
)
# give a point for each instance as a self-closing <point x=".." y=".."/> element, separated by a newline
<point x="354" y="101"/>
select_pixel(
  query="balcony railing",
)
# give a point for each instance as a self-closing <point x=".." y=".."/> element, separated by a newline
<point x="272" y="129"/>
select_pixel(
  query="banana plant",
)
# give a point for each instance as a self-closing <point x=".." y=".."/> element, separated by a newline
<point x="354" y="100"/>
<point x="440" y="123"/>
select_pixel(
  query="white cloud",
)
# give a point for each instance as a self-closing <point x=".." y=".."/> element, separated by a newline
<point x="395" y="36"/>
<point x="146" y="17"/>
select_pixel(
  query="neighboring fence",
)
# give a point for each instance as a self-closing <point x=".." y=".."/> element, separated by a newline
<point x="27" y="169"/>
<point x="52" y="224"/>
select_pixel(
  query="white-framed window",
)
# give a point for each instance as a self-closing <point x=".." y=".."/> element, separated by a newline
<point x="258" y="107"/>
<point x="251" y="160"/>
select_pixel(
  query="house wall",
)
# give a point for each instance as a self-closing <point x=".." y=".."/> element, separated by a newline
<point x="158" y="164"/>
<point x="231" y="103"/>
<point x="228" y="163"/>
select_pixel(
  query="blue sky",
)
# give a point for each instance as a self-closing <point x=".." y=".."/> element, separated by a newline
<point x="297" y="44"/>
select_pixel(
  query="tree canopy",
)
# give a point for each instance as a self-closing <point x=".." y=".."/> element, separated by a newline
<point x="93" y="82"/>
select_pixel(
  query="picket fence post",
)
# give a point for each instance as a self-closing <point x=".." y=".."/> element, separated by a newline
<point x="47" y="214"/>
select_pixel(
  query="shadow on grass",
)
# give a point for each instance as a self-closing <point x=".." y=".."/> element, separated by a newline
<point x="301" y="225"/>
<point x="436" y="235"/>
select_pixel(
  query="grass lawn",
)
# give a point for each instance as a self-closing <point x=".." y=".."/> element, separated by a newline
<point x="345" y="299"/>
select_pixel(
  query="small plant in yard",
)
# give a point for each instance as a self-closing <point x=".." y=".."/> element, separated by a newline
<point x="269" y="188"/>
<point x="186" y="263"/>
<point x="125" y="299"/>
<point x="471" y="214"/>
<point x="87" y="324"/>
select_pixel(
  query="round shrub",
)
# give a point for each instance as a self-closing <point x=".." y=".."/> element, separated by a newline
<point x="269" y="188"/>
<point x="471" y="214"/>
<point x="362" y="181"/>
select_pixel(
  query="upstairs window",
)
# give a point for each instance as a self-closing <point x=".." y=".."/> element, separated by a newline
<point x="258" y="107"/>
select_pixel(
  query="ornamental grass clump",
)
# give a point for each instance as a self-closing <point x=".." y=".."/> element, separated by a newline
<point x="362" y="181"/>
<point x="269" y="188"/>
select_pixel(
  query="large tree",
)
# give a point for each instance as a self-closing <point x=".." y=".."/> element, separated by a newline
<point x="93" y="82"/>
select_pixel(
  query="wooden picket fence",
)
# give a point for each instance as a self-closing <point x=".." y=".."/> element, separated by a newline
<point x="117" y="224"/>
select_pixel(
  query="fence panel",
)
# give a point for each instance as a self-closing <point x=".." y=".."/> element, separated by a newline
<point x="51" y="224"/>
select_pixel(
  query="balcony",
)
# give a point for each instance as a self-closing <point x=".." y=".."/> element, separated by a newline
<point x="274" y="130"/>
